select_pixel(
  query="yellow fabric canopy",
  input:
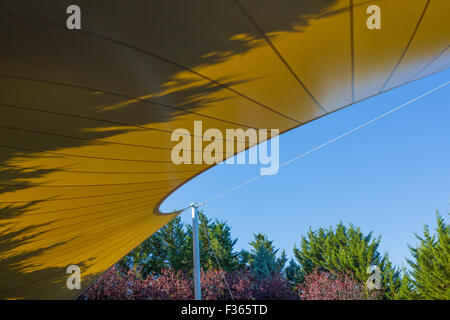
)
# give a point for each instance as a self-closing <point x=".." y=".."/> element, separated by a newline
<point x="86" y="115"/>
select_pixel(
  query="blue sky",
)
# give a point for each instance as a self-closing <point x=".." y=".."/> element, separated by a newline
<point x="390" y="177"/>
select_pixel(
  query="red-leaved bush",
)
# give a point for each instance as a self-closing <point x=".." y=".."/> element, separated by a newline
<point x="171" y="285"/>
<point x="244" y="286"/>
<point x="272" y="288"/>
<point x="240" y="284"/>
<point x="322" y="285"/>
<point x="113" y="285"/>
<point x="213" y="285"/>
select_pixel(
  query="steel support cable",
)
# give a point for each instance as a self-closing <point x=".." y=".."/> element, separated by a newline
<point x="328" y="142"/>
<point x="217" y="261"/>
<point x="332" y="140"/>
<point x="341" y="108"/>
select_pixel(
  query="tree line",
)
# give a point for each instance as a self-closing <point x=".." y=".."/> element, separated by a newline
<point x="330" y="263"/>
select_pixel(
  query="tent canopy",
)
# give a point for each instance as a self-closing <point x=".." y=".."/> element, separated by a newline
<point x="86" y="115"/>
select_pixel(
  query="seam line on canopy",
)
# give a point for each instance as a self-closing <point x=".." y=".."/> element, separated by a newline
<point x="278" y="54"/>
<point x="120" y="241"/>
<point x="150" y="102"/>
<point x="408" y="45"/>
<point x="85" y="185"/>
<point x="143" y="128"/>
<point x="112" y="212"/>
<point x="82" y="156"/>
<point x="156" y="56"/>
<point x="94" y="172"/>
<point x="106" y="141"/>
<point x="106" y="257"/>
<point x="430" y="63"/>
<point x="117" y="218"/>
<point x="84" y="197"/>
<point x="147" y="202"/>
<point x="352" y="48"/>
<point x="83" y="207"/>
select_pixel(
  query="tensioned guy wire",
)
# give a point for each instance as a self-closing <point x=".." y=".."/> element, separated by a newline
<point x="218" y="263"/>
<point x="326" y="143"/>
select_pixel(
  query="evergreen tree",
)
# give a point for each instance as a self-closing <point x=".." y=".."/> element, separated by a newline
<point x="222" y="245"/>
<point x="173" y="240"/>
<point x="165" y="248"/>
<point x="171" y="247"/>
<point x="294" y="273"/>
<point x="263" y="258"/>
<point x="215" y="241"/>
<point x="430" y="264"/>
<point x="406" y="290"/>
<point x="264" y="264"/>
<point x="346" y="249"/>
<point x="243" y="259"/>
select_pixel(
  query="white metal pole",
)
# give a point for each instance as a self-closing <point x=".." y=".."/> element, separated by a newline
<point x="196" y="252"/>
